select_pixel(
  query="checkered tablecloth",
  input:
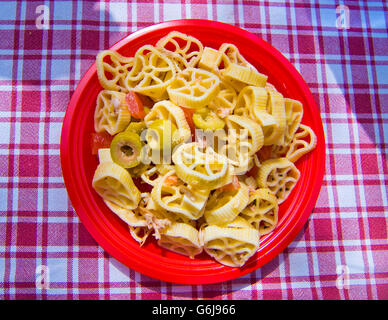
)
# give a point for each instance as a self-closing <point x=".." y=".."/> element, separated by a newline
<point x="341" y="50"/>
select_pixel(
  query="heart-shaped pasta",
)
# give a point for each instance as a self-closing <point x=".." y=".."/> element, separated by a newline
<point x="152" y="72"/>
<point x="112" y="68"/>
<point x="114" y="183"/>
<point x="193" y="88"/>
<point x="201" y="168"/>
<point x="111" y="113"/>
<point x="224" y="206"/>
<point x="173" y="195"/>
<point x="188" y="47"/>
<point x="262" y="210"/>
<point x="181" y="238"/>
<point x="166" y="110"/>
<point x="279" y="175"/>
<point x="232" y="244"/>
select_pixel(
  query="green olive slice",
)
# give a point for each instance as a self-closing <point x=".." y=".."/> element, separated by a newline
<point x="125" y="149"/>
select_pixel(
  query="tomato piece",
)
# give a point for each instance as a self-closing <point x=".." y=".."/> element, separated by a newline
<point x="234" y="185"/>
<point x="264" y="153"/>
<point x="253" y="171"/>
<point x="135" y="105"/>
<point x="100" y="140"/>
<point x="189" y="118"/>
<point x="171" y="180"/>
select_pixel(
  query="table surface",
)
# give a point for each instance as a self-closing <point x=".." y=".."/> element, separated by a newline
<point x="340" y="50"/>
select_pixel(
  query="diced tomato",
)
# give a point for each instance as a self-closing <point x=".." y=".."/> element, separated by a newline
<point x="147" y="101"/>
<point x="189" y="118"/>
<point x="171" y="180"/>
<point x="135" y="105"/>
<point x="234" y="185"/>
<point x="253" y="171"/>
<point x="264" y="153"/>
<point x="100" y="140"/>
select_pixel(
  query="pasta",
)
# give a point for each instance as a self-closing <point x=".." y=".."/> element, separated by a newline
<point x="204" y="149"/>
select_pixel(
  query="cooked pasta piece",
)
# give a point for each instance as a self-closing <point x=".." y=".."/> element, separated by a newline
<point x="225" y="101"/>
<point x="181" y="238"/>
<point x="167" y="110"/>
<point x="173" y="195"/>
<point x="262" y="210"/>
<point x="232" y="244"/>
<point x="188" y="47"/>
<point x="294" y="114"/>
<point x="130" y="217"/>
<point x="274" y="134"/>
<point x="240" y="76"/>
<point x="279" y="175"/>
<point x="193" y="88"/>
<point x="202" y="169"/>
<point x="112" y="68"/>
<point x="111" y="113"/>
<point x="248" y="133"/>
<point x="152" y="72"/>
<point x="139" y="234"/>
<point x="224" y="206"/>
<point x="114" y="183"/>
<point x="302" y="143"/>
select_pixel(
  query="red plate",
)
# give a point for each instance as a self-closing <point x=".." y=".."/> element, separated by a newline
<point x="78" y="163"/>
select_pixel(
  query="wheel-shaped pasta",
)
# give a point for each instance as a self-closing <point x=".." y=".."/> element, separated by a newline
<point x="112" y="68"/>
<point x="200" y="168"/>
<point x="302" y="143"/>
<point x="152" y="72"/>
<point x="166" y="110"/>
<point x="232" y="244"/>
<point x="225" y="101"/>
<point x="279" y="175"/>
<point x="240" y="76"/>
<point x="188" y="47"/>
<point x="262" y="210"/>
<point x="111" y="113"/>
<point x="245" y="132"/>
<point x="210" y="59"/>
<point x="294" y="114"/>
<point x="104" y="155"/>
<point x="251" y="100"/>
<point x="173" y="195"/>
<point x="130" y="217"/>
<point x="275" y="109"/>
<point x="224" y="206"/>
<point x="114" y="183"/>
<point x="140" y="233"/>
<point x="234" y="56"/>
<point x="193" y="88"/>
<point x="181" y="238"/>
